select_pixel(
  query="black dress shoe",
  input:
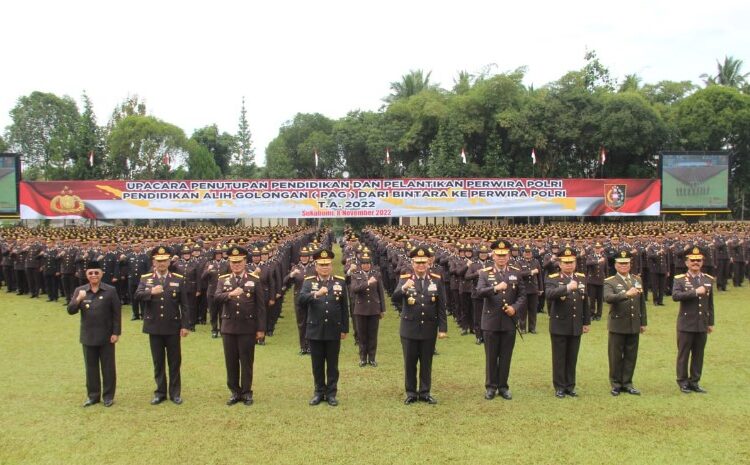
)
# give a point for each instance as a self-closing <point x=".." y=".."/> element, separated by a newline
<point x="177" y="400"/>
<point x="615" y="392"/>
<point x="214" y="334"/>
<point x="262" y="342"/>
<point x="108" y="402"/>
<point x="490" y="394"/>
<point x="479" y="341"/>
<point x="410" y="400"/>
<point x="698" y="389"/>
<point x="373" y="363"/>
<point x="362" y="363"/>
<point x="505" y="394"/>
<point x="133" y="318"/>
<point x="248" y="401"/>
<point x="560" y="394"/>
<point x="632" y="391"/>
<point x="685" y="390"/>
<point x="332" y="401"/>
<point x="316" y="399"/>
<point x="302" y="352"/>
<point x="571" y="393"/>
<point x="464" y="332"/>
<point x="157" y="400"/>
<point x="532" y="331"/>
<point x="429" y="399"/>
<point x="90" y="402"/>
<point x="233" y="400"/>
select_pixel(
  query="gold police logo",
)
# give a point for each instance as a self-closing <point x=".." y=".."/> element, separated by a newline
<point x="696" y="251"/>
<point x="614" y="195"/>
<point x="324" y="254"/>
<point x="162" y="251"/>
<point x="623" y="254"/>
<point x="67" y="203"/>
<point x="235" y="252"/>
<point x="420" y="253"/>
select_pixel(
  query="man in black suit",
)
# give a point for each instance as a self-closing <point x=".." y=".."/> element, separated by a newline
<point x="100" y="330"/>
<point x="165" y="320"/>
<point x="326" y="298"/>
<point x="421" y="297"/>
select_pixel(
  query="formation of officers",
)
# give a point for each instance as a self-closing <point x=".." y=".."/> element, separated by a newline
<point x="492" y="280"/>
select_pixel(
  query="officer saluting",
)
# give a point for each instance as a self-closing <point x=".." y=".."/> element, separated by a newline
<point x="326" y="299"/>
<point x="242" y="300"/>
<point x="569" y="317"/>
<point x="627" y="320"/>
<point x="421" y="297"/>
<point x="695" y="319"/>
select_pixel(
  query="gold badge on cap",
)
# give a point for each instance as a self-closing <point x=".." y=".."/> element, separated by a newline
<point x="162" y="251"/>
<point x="420" y="253"/>
<point x="696" y="251"/>
<point x="623" y="254"/>
<point x="324" y="254"/>
<point x="235" y="252"/>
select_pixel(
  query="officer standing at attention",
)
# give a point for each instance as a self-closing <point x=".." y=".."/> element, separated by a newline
<point x="242" y="300"/>
<point x="369" y="307"/>
<point x="101" y="323"/>
<point x="501" y="286"/>
<point x="569" y="317"/>
<point x="627" y="320"/>
<point x="421" y="297"/>
<point x="165" y="320"/>
<point x="694" y="291"/>
<point x="326" y="299"/>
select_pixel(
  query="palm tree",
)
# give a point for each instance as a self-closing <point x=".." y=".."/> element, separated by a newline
<point x="631" y="82"/>
<point x="728" y="74"/>
<point x="463" y="82"/>
<point x="411" y="84"/>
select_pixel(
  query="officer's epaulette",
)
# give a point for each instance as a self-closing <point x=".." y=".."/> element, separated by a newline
<point x="709" y="276"/>
<point x="580" y="274"/>
<point x="225" y="275"/>
<point x="309" y="277"/>
<point x="338" y="277"/>
<point x="435" y="275"/>
<point x="404" y="276"/>
<point x="514" y="268"/>
<point x="255" y="274"/>
<point x="487" y="269"/>
<point x="178" y="275"/>
<point x="679" y="276"/>
<point x="554" y="275"/>
<point x="610" y="278"/>
<point x="146" y="275"/>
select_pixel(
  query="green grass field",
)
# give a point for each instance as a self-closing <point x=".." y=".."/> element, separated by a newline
<point x="42" y="389"/>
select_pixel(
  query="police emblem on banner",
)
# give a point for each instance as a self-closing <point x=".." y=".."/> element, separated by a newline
<point x="614" y="195"/>
<point x="66" y="202"/>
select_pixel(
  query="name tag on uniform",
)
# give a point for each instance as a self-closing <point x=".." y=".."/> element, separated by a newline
<point x="337" y="287"/>
<point x="432" y="287"/>
<point x="512" y="278"/>
<point x="227" y="283"/>
<point x="314" y="286"/>
<point x="250" y="284"/>
<point x="174" y="284"/>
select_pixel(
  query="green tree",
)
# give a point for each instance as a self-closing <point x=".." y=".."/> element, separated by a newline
<point x="43" y="131"/>
<point x="201" y="162"/>
<point x="291" y="153"/>
<point x="140" y="145"/>
<point x="88" y="139"/>
<point x="243" y="161"/>
<point x="219" y="146"/>
<point x="631" y="83"/>
<point x="728" y="74"/>
<point x="3" y="145"/>
<point x="410" y="84"/>
<point x="362" y="142"/>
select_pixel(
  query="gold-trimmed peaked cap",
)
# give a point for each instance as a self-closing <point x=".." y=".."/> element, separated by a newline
<point x="695" y="252"/>
<point x="323" y="257"/>
<point x="236" y="253"/>
<point x="420" y="254"/>
<point x="623" y="256"/>
<point x="161" y="252"/>
<point x="567" y="255"/>
<point x="500" y="247"/>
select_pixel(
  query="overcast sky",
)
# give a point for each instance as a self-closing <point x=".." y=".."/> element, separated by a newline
<point x="192" y="62"/>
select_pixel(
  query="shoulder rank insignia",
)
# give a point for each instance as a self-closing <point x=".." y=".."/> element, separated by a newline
<point x="435" y="275"/>
<point x="309" y="277"/>
<point x="679" y="276"/>
<point x="224" y="275"/>
<point x="554" y="275"/>
<point x="514" y="268"/>
<point x="405" y="276"/>
<point x="580" y="274"/>
<point x="146" y="275"/>
<point x="610" y="278"/>
<point x="709" y="276"/>
<point x="178" y="275"/>
<point x="487" y="268"/>
<point x="255" y="274"/>
<point x="338" y="277"/>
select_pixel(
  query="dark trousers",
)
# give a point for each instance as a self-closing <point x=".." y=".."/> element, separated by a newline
<point x="659" y="284"/>
<point x="476" y="317"/>
<point x="239" y="355"/>
<point x="100" y="359"/>
<point x="213" y="309"/>
<point x="21" y="283"/>
<point x="623" y="353"/>
<point x="527" y="313"/>
<point x="367" y="326"/>
<point x="738" y="273"/>
<point x="498" y="352"/>
<point x="33" y="281"/>
<point x="301" y="314"/>
<point x="10" y="278"/>
<point x="466" y="311"/>
<point x="325" y="366"/>
<point x="690" y="348"/>
<point x="166" y="348"/>
<point x="422" y="351"/>
<point x="68" y="285"/>
<point x="564" y="359"/>
<point x="192" y="307"/>
<point x="596" y="298"/>
<point x="136" y="304"/>
<point x="202" y="306"/>
<point x="722" y="273"/>
<point x="50" y="283"/>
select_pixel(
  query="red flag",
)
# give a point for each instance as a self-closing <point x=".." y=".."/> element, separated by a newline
<point x="91" y="158"/>
<point x="463" y="155"/>
<point x="533" y="157"/>
<point x="165" y="158"/>
<point x="387" y="157"/>
<point x="602" y="156"/>
<point x="316" y="157"/>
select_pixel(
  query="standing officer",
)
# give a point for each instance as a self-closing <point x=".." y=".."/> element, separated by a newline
<point x="369" y="307"/>
<point x="243" y="321"/>
<point x="531" y="272"/>
<point x="695" y="319"/>
<point x="627" y="320"/>
<point x="296" y="277"/>
<point x="165" y="320"/>
<point x="596" y="271"/>
<point x="504" y="294"/>
<point x="101" y="324"/>
<point x="421" y="297"/>
<point x="326" y="299"/>
<point x="569" y="317"/>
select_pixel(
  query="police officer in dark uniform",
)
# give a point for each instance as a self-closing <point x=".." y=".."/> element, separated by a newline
<point x="533" y="281"/>
<point x="101" y="325"/>
<point x="569" y="317"/>
<point x="502" y="288"/>
<point x="596" y="271"/>
<point x="694" y="291"/>
<point x="296" y="277"/>
<point x="326" y="298"/>
<point x="421" y="297"/>
<point x="243" y="321"/>
<point x="627" y="320"/>
<point x="369" y="307"/>
<point x="165" y="320"/>
<point x="139" y="263"/>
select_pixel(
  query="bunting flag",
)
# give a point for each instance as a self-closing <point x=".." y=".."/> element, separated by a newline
<point x="165" y="158"/>
<point x="602" y="156"/>
<point x="387" y="157"/>
<point x="316" y="158"/>
<point x="463" y="155"/>
<point x="533" y="157"/>
<point x="91" y="158"/>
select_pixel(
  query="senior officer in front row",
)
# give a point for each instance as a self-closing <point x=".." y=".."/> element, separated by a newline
<point x="569" y="317"/>
<point x="421" y="296"/>
<point x="101" y="324"/>
<point x="627" y="320"/>
<point x="242" y="303"/>
<point x="695" y="319"/>
<point x="502" y="288"/>
<point x="326" y="298"/>
<point x="165" y="320"/>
